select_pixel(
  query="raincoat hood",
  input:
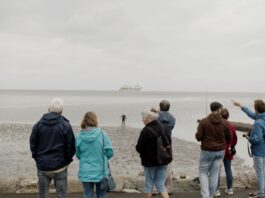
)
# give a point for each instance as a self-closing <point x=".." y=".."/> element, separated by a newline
<point x="260" y="116"/>
<point x="90" y="135"/>
<point x="167" y="119"/>
<point x="215" y="118"/>
<point x="51" y="119"/>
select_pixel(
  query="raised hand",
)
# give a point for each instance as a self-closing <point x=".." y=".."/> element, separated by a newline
<point x="237" y="104"/>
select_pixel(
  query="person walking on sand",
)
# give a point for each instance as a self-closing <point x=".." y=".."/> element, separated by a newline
<point x="213" y="133"/>
<point x="168" y="120"/>
<point x="90" y="152"/>
<point x="257" y="141"/>
<point x="123" y="119"/>
<point x="52" y="144"/>
<point x="155" y="173"/>
<point x="229" y="153"/>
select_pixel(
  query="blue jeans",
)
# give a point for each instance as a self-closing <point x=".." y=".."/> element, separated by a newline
<point x="259" y="165"/>
<point x="209" y="168"/>
<point x="155" y="175"/>
<point x="89" y="190"/>
<point x="228" y="173"/>
<point x="60" y="182"/>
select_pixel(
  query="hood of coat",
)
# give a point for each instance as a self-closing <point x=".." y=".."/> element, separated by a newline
<point x="51" y="119"/>
<point x="90" y="135"/>
<point x="261" y="116"/>
<point x="215" y="118"/>
<point x="165" y="117"/>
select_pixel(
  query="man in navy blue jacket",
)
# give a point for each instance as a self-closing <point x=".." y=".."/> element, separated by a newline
<point x="52" y="144"/>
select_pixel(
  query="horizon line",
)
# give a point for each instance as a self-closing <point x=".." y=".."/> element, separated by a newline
<point x="104" y="90"/>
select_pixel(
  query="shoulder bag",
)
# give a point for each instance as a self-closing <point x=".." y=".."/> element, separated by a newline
<point x="107" y="183"/>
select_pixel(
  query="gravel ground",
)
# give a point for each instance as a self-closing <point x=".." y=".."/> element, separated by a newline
<point x="239" y="193"/>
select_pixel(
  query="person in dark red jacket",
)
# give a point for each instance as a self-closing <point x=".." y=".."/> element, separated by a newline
<point x="229" y="153"/>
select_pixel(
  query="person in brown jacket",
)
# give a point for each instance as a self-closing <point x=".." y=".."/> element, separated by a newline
<point x="213" y="133"/>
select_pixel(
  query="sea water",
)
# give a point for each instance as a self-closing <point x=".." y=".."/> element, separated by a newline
<point x="20" y="106"/>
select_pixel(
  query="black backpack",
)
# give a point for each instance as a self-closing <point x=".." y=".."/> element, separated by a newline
<point x="164" y="149"/>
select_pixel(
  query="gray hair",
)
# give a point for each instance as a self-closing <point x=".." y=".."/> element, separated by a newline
<point x="149" y="114"/>
<point x="56" y="105"/>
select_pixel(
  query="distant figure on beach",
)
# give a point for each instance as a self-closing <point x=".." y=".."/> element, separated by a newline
<point x="123" y="119"/>
<point x="52" y="144"/>
<point x="168" y="120"/>
<point x="213" y="133"/>
<point x="229" y="153"/>
<point x="93" y="158"/>
<point x="155" y="173"/>
<point x="257" y="141"/>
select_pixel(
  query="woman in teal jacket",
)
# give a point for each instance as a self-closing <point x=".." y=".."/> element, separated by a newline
<point x="89" y="150"/>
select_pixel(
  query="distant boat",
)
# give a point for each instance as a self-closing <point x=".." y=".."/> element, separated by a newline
<point x="131" y="88"/>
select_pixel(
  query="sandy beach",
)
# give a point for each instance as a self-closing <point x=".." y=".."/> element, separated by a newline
<point x="16" y="158"/>
<point x="17" y="164"/>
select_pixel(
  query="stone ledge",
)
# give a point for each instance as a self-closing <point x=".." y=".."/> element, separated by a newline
<point x="124" y="184"/>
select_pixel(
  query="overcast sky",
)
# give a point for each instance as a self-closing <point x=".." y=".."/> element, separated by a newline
<point x="172" y="45"/>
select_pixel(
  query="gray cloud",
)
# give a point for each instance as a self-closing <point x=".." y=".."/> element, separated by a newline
<point x="162" y="45"/>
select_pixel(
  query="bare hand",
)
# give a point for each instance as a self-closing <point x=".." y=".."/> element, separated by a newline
<point x="235" y="103"/>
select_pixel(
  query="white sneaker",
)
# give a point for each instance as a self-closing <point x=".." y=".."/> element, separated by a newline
<point x="229" y="191"/>
<point x="217" y="193"/>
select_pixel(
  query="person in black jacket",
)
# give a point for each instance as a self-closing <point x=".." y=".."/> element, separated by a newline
<point x="155" y="172"/>
<point x="52" y="144"/>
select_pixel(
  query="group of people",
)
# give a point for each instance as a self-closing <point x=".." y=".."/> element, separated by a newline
<point x="218" y="140"/>
<point x="53" y="145"/>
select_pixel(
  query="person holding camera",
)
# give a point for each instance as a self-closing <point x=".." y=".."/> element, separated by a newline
<point x="230" y="151"/>
<point x="257" y="141"/>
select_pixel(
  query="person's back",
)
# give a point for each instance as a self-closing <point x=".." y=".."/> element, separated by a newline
<point x="52" y="132"/>
<point x="164" y="116"/>
<point x="52" y="144"/>
<point x="168" y="120"/>
<point x="94" y="149"/>
<point x="90" y="153"/>
<point x="213" y="132"/>
<point x="155" y="172"/>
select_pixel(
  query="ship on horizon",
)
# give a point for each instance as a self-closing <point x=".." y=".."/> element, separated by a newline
<point x="131" y="88"/>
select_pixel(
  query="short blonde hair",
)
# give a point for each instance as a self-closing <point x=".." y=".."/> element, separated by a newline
<point x="89" y="120"/>
<point x="56" y="105"/>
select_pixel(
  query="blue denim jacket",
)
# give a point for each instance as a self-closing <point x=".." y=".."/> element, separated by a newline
<point x="257" y="136"/>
